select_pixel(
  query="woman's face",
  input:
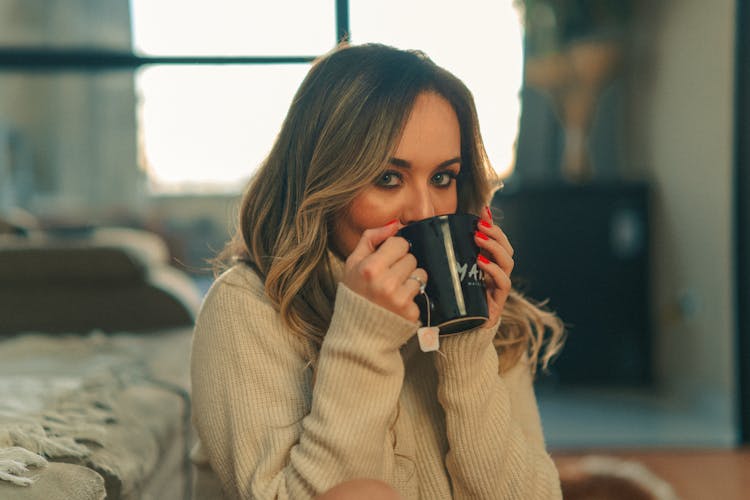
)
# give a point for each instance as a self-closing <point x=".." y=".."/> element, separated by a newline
<point x="421" y="178"/>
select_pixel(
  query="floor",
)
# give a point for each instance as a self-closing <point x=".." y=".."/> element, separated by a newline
<point x="689" y="442"/>
<point x="632" y="418"/>
<point x="693" y="474"/>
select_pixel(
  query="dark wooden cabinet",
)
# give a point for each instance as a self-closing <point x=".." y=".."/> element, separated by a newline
<point x="586" y="249"/>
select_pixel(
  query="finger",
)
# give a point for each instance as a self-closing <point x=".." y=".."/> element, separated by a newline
<point x="498" y="280"/>
<point x="487" y="214"/>
<point x="415" y="281"/>
<point x="387" y="254"/>
<point x="497" y="234"/>
<point x="391" y="280"/>
<point x="371" y="239"/>
<point x="410" y="288"/>
<point x="404" y="267"/>
<point x="495" y="251"/>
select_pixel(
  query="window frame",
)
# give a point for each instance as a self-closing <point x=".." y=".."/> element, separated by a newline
<point x="75" y="59"/>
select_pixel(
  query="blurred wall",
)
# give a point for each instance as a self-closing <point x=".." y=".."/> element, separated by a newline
<point x="67" y="23"/>
<point x="195" y="227"/>
<point x="681" y="137"/>
<point x="79" y="127"/>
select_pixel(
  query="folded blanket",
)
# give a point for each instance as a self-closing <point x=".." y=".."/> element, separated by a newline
<point x="114" y="404"/>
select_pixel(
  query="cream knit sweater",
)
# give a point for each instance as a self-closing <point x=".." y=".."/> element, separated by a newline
<point x="435" y="426"/>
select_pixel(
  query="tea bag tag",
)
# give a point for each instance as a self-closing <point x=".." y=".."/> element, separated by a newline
<point x="428" y="336"/>
<point x="429" y="339"/>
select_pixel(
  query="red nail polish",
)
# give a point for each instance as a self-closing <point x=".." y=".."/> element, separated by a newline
<point x="481" y="235"/>
<point x="392" y="222"/>
<point x="489" y="212"/>
<point x="483" y="259"/>
<point x="485" y="223"/>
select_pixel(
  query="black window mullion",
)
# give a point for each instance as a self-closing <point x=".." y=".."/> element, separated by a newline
<point x="342" y="21"/>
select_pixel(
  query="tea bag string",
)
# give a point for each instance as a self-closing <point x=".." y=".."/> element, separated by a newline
<point x="428" y="336"/>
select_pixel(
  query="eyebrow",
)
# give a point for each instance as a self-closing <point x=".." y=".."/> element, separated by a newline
<point x="406" y="164"/>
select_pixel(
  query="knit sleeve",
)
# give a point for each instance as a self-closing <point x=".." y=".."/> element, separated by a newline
<point x="496" y="448"/>
<point x="268" y="430"/>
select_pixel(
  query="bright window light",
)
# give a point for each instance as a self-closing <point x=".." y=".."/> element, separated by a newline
<point x="206" y="128"/>
<point x="233" y="27"/>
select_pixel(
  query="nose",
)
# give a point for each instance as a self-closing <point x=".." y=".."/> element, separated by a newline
<point x="418" y="206"/>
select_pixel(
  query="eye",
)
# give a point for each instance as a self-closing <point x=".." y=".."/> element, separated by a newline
<point x="444" y="179"/>
<point x="389" y="180"/>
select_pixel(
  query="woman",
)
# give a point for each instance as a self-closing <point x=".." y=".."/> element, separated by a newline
<point x="305" y="376"/>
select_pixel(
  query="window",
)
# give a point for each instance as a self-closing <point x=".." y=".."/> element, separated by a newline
<point x="123" y="98"/>
<point x="205" y="128"/>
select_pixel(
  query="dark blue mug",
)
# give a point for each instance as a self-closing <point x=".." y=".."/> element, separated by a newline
<point x="454" y="299"/>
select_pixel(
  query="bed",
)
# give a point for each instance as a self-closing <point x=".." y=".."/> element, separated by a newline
<point x="97" y="405"/>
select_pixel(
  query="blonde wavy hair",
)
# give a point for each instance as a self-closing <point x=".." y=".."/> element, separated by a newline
<point x="344" y="123"/>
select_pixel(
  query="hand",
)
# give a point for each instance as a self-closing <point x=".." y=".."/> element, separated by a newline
<point x="379" y="269"/>
<point x="496" y="261"/>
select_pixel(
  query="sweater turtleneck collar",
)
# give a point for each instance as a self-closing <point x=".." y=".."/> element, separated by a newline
<point x="337" y="266"/>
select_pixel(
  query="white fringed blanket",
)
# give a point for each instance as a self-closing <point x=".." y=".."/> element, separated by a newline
<point x="95" y="411"/>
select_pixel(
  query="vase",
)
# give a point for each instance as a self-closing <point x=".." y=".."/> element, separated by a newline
<point x="574" y="79"/>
